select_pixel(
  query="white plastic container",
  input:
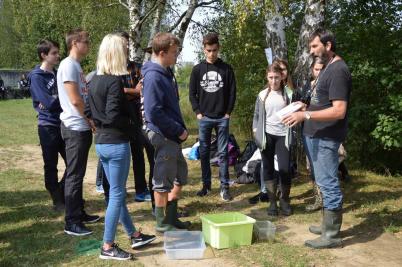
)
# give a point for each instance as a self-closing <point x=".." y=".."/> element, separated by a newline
<point x="265" y="230"/>
<point x="184" y="245"/>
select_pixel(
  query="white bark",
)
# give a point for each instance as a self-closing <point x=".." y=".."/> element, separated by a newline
<point x="185" y="19"/>
<point x="275" y="32"/>
<point x="136" y="19"/>
<point x="181" y="32"/>
<point x="313" y="19"/>
<point x="134" y="13"/>
<point x="155" y="25"/>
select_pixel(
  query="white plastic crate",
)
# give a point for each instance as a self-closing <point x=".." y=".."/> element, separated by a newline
<point x="265" y="230"/>
<point x="181" y="245"/>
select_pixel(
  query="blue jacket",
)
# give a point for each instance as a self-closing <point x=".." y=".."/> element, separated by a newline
<point x="43" y="87"/>
<point x="161" y="102"/>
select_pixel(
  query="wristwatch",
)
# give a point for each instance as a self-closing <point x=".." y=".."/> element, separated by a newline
<point x="307" y="115"/>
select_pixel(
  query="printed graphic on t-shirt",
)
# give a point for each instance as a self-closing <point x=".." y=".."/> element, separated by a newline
<point x="52" y="87"/>
<point x="211" y="81"/>
<point x="84" y="87"/>
<point x="314" y="97"/>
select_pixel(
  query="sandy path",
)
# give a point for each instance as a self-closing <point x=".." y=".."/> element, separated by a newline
<point x="359" y="250"/>
<point x="31" y="161"/>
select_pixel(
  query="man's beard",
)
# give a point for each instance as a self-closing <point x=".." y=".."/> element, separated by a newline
<point x="325" y="57"/>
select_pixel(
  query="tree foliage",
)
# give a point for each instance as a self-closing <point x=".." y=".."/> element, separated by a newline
<point x="242" y="45"/>
<point x="24" y="23"/>
<point x="368" y="35"/>
<point x="368" y="38"/>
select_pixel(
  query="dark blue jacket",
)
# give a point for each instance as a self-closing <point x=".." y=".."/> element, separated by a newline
<point x="161" y="102"/>
<point x="43" y="87"/>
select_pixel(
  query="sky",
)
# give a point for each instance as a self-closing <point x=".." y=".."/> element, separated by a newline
<point x="189" y="52"/>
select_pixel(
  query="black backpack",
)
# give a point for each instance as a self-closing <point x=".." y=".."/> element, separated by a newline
<point x="245" y="155"/>
<point x="253" y="175"/>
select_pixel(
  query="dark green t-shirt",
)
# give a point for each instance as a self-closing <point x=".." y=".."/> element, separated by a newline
<point x="335" y="83"/>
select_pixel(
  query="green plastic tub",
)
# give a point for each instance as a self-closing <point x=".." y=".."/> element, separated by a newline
<point x="226" y="230"/>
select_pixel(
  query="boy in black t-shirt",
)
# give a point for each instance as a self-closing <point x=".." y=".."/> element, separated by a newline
<point x="325" y="128"/>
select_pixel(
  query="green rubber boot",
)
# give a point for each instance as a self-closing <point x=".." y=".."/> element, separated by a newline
<point x="161" y="221"/>
<point x="316" y="229"/>
<point x="330" y="229"/>
<point x="171" y="214"/>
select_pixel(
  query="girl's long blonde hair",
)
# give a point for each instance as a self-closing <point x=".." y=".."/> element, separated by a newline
<point x="112" y="56"/>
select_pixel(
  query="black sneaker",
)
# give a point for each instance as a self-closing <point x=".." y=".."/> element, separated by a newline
<point x="141" y="240"/>
<point x="255" y="199"/>
<point x="225" y="194"/>
<point x="204" y="190"/>
<point x="77" y="229"/>
<point x="86" y="218"/>
<point x="115" y="253"/>
<point x="264" y="197"/>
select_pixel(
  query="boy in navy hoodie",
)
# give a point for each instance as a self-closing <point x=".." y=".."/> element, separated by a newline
<point x="166" y="130"/>
<point x="43" y="87"/>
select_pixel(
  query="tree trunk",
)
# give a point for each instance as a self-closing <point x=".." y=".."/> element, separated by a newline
<point x="275" y="32"/>
<point x="313" y="19"/>
<point x="181" y="32"/>
<point x="134" y="11"/>
<point x="155" y="26"/>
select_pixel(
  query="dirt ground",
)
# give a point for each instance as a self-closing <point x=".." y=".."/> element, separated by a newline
<point x="363" y="249"/>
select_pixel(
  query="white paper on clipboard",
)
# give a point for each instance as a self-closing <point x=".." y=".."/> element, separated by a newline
<point x="289" y="109"/>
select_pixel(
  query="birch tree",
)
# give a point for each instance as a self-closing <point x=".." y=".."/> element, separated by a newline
<point x="137" y="17"/>
<point x="313" y="19"/>
<point x="275" y="31"/>
<point x="156" y="24"/>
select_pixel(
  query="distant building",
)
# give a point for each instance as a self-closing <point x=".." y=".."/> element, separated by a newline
<point x="12" y="77"/>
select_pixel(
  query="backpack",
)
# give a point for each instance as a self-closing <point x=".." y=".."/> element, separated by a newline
<point x="194" y="153"/>
<point x="252" y="176"/>
<point x="245" y="178"/>
<point x="233" y="150"/>
<point x="244" y="156"/>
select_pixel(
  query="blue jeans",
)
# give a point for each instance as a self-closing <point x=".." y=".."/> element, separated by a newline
<point x="304" y="138"/>
<point x="221" y="126"/>
<point x="263" y="187"/>
<point x="115" y="160"/>
<point x="325" y="161"/>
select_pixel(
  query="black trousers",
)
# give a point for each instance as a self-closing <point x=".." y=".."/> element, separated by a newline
<point x="52" y="145"/>
<point x="77" y="148"/>
<point x="276" y="145"/>
<point x="138" y="143"/>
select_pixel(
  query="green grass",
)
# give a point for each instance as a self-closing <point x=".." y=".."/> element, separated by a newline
<point x="18" y="123"/>
<point x="31" y="234"/>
